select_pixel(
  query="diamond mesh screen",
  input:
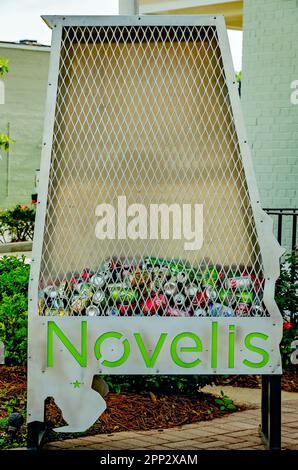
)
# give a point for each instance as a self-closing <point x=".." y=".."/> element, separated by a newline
<point x="144" y="112"/>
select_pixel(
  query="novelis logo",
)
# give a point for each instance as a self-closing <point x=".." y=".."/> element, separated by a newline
<point x="173" y="347"/>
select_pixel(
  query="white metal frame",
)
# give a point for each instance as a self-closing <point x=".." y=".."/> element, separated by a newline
<point x="43" y="382"/>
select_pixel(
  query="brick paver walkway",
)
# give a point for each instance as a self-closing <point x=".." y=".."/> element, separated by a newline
<point x="236" y="431"/>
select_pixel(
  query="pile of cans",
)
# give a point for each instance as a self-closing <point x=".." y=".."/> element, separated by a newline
<point x="155" y="286"/>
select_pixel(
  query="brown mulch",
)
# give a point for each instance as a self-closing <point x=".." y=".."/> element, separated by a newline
<point x="143" y="412"/>
<point x="289" y="380"/>
<point x="132" y="411"/>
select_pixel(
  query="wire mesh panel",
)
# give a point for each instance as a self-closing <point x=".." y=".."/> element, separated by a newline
<point x="144" y="124"/>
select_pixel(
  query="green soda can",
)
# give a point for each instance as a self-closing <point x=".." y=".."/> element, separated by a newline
<point x="210" y="276"/>
<point x="227" y="297"/>
<point x="128" y="296"/>
<point x="244" y="297"/>
<point x="115" y="289"/>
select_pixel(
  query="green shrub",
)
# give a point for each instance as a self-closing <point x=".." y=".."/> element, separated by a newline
<point x="286" y="296"/>
<point x="17" y="224"/>
<point x="14" y="275"/>
<point x="165" y="384"/>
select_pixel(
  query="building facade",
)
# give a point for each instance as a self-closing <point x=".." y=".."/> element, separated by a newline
<point x="270" y="66"/>
<point x="21" y="116"/>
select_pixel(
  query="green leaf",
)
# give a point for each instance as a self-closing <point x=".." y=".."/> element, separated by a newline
<point x="231" y="407"/>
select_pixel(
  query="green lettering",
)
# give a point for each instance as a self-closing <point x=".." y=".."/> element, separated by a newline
<point x="214" y="341"/>
<point x="231" y="346"/>
<point x="80" y="358"/>
<point x="150" y="361"/>
<point x="101" y="339"/>
<point x="251" y="347"/>
<point x="197" y="348"/>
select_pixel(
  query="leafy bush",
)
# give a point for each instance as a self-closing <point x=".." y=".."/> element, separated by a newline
<point x="165" y="384"/>
<point x="17" y="223"/>
<point x="286" y="296"/>
<point x="14" y="275"/>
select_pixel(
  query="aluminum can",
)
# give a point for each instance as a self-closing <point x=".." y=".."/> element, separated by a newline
<point x="98" y="281"/>
<point x="210" y="276"/>
<point x="170" y="289"/>
<point x="55" y="312"/>
<point x="140" y="279"/>
<point x="77" y="304"/>
<point x="205" y="296"/>
<point x="92" y="311"/>
<point x="154" y="304"/>
<point x="126" y="308"/>
<point x="182" y="278"/>
<point x="245" y="297"/>
<point x="191" y="291"/>
<point x="238" y="283"/>
<point x="99" y="298"/>
<point x="227" y="297"/>
<point x="114" y="290"/>
<point x="51" y="291"/>
<point x="176" y="312"/>
<point x="218" y="310"/>
<point x="179" y="300"/>
<point x="200" y="312"/>
<point x="128" y="296"/>
<point x="242" y="310"/>
<point x="113" y="312"/>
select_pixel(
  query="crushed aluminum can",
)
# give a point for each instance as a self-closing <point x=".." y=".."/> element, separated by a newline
<point x="154" y="304"/>
<point x="170" y="289"/>
<point x="56" y="312"/>
<point x="244" y="297"/>
<point x="182" y="278"/>
<point x="238" y="283"/>
<point x="200" y="312"/>
<point x="219" y="310"/>
<point x="51" y="291"/>
<point x="205" y="296"/>
<point x="140" y="279"/>
<point x="210" y="276"/>
<point x="98" y="281"/>
<point x="257" y="311"/>
<point x="242" y="310"/>
<point x="115" y="289"/>
<point x="191" y="291"/>
<point x="92" y="311"/>
<point x="113" y="312"/>
<point x="226" y="297"/>
<point x="99" y="298"/>
<point x="85" y="291"/>
<point x="126" y="309"/>
<point x="78" y="304"/>
<point x="176" y="312"/>
<point x="179" y="300"/>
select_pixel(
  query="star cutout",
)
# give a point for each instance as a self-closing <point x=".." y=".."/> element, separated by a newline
<point x="76" y="384"/>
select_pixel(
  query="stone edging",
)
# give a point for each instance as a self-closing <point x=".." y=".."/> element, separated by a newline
<point x="15" y="247"/>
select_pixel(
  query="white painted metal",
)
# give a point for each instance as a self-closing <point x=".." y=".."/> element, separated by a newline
<point x="128" y="7"/>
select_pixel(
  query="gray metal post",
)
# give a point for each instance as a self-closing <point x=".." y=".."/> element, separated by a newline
<point x="128" y="7"/>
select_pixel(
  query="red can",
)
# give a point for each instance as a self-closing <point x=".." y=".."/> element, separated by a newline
<point x="176" y="312"/>
<point x="126" y="309"/>
<point x="242" y="310"/>
<point x="152" y="305"/>
<point x="202" y="298"/>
